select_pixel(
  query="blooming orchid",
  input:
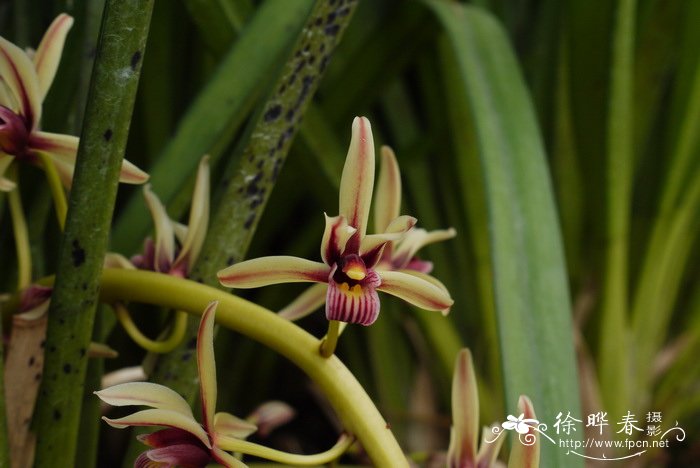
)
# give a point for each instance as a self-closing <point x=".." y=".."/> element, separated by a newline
<point x="398" y="254"/>
<point x="164" y="255"/>
<point x="24" y="83"/>
<point x="184" y="441"/>
<point x="350" y="255"/>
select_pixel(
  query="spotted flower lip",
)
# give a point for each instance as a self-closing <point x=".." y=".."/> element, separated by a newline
<point x="24" y="83"/>
<point x="350" y="255"/>
<point x="185" y="441"/>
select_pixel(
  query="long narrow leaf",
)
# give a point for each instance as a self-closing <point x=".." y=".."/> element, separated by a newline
<point x="532" y="298"/>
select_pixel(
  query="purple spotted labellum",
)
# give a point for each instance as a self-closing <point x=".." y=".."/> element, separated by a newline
<point x="24" y="82"/>
<point x="350" y="255"/>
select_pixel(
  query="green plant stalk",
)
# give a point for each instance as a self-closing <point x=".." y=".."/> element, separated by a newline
<point x="613" y="355"/>
<point x="218" y="111"/>
<point x="346" y="395"/>
<point x="84" y="243"/>
<point x="531" y="291"/>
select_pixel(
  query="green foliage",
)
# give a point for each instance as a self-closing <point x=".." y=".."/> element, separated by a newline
<point x="558" y="138"/>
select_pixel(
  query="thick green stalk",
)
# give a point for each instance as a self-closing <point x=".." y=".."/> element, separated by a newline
<point x="613" y="354"/>
<point x="83" y="246"/>
<point x="347" y="396"/>
<point x="530" y="287"/>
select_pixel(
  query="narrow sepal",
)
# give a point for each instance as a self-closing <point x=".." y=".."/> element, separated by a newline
<point x="161" y="417"/>
<point x="465" y="413"/>
<point x="357" y="181"/>
<point x="273" y="270"/>
<point x="426" y="277"/>
<point x="146" y="394"/>
<point x="416" y="239"/>
<point x="19" y="75"/>
<point x="526" y="449"/>
<point x="206" y="364"/>
<point x="335" y="236"/>
<point x="164" y="235"/>
<point x="307" y="302"/>
<point x="228" y="425"/>
<point x="198" y="220"/>
<point x="353" y="304"/>
<point x="48" y="54"/>
<point x="415" y="290"/>
<point x="387" y="200"/>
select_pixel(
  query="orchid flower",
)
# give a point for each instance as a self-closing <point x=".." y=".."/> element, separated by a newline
<point x="164" y="255"/>
<point x="398" y="255"/>
<point x="184" y="441"/>
<point x="350" y="256"/>
<point x="462" y="452"/>
<point x="24" y="83"/>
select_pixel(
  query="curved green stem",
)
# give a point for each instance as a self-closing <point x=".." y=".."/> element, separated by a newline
<point x="177" y="333"/>
<point x="57" y="192"/>
<point x="330" y="341"/>
<point x="256" y="450"/>
<point x="348" y="397"/>
<point x="19" y="229"/>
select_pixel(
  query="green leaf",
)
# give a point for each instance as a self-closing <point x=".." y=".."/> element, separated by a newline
<point x="218" y="111"/>
<point x="530" y="281"/>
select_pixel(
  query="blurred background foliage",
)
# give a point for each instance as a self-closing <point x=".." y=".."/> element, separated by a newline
<point x="615" y="87"/>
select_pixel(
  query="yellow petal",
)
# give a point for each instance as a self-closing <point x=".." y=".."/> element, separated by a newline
<point x="161" y="417"/>
<point x="228" y="425"/>
<point x="357" y="182"/>
<point x="309" y="301"/>
<point x="273" y="270"/>
<point x="207" y="364"/>
<point x="465" y="412"/>
<point x="387" y="201"/>
<point x="165" y="237"/>
<point x="415" y="290"/>
<point x="335" y="237"/>
<point x="48" y="54"/>
<point x="146" y="394"/>
<point x="198" y="221"/>
<point x="18" y="74"/>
